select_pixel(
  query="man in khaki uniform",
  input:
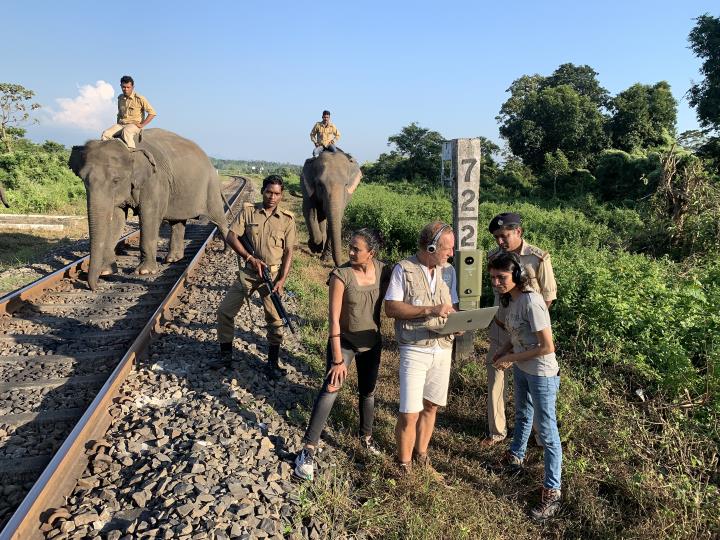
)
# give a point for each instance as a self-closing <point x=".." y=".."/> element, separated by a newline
<point x="134" y="113"/>
<point x="271" y="231"/>
<point x="507" y="230"/>
<point x="324" y="135"/>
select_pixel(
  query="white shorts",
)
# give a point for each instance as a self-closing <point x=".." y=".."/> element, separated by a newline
<point x="424" y="374"/>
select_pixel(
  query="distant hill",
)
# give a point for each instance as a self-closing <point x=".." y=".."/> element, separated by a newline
<point x="230" y="166"/>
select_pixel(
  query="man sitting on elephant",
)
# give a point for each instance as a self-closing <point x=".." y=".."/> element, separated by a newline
<point x="134" y="113"/>
<point x="271" y="231"/>
<point x="324" y="135"/>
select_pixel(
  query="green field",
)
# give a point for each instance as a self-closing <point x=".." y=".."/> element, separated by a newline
<point x="638" y="339"/>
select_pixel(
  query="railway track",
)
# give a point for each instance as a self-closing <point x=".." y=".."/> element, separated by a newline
<point x="64" y="352"/>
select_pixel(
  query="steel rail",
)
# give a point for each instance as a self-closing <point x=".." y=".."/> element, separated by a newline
<point x="14" y="300"/>
<point x="60" y="476"/>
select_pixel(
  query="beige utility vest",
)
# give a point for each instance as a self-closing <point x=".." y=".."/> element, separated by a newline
<point x="417" y="292"/>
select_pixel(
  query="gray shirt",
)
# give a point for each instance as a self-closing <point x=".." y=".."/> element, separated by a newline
<point x="526" y="316"/>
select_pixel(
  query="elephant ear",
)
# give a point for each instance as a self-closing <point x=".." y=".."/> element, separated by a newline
<point x="306" y="178"/>
<point x="354" y="175"/>
<point x="143" y="168"/>
<point x="77" y="159"/>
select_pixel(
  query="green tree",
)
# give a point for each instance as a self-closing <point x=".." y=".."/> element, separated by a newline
<point x="556" y="164"/>
<point x="489" y="167"/>
<point x="643" y="117"/>
<point x="421" y="149"/>
<point x="14" y="111"/>
<point x="536" y="120"/>
<point x="705" y="95"/>
<point x="583" y="80"/>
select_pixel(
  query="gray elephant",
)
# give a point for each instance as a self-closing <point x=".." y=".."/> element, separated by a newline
<point x="166" y="178"/>
<point x="328" y="181"/>
<point x="3" y="198"/>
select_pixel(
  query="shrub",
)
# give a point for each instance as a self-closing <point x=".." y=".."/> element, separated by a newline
<point x="626" y="177"/>
<point x="637" y="320"/>
<point x="38" y="179"/>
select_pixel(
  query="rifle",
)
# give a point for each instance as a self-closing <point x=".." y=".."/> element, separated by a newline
<point x="267" y="280"/>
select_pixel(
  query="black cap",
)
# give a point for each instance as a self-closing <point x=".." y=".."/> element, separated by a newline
<point x="503" y="220"/>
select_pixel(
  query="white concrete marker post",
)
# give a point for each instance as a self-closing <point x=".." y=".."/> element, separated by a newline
<point x="465" y="156"/>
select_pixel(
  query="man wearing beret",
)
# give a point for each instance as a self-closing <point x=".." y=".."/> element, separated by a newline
<point x="508" y="233"/>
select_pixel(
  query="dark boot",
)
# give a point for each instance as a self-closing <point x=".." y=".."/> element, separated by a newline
<point x="224" y="357"/>
<point x="274" y="370"/>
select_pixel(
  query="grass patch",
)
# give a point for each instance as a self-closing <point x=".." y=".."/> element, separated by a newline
<point x="19" y="249"/>
<point x="632" y="468"/>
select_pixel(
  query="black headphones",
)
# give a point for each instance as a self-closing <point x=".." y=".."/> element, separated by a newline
<point x="432" y="246"/>
<point x="517" y="270"/>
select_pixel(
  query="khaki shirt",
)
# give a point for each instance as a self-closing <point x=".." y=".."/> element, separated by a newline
<point x="133" y="109"/>
<point x="324" y="135"/>
<point x="270" y="233"/>
<point x="538" y="269"/>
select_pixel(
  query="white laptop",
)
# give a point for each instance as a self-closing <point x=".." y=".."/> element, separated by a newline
<point x="463" y="321"/>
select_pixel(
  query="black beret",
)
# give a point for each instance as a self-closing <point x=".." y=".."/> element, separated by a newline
<point x="503" y="220"/>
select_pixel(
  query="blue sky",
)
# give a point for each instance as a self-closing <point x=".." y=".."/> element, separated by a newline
<point x="247" y="81"/>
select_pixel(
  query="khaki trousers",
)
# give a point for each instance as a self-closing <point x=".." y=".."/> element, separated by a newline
<point x="497" y="385"/>
<point x="239" y="291"/>
<point x="127" y="133"/>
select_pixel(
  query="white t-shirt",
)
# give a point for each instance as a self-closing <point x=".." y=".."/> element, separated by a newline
<point x="396" y="292"/>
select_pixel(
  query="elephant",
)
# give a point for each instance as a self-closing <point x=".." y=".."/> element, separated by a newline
<point x="167" y="177"/>
<point x="327" y="182"/>
<point x="3" y="198"/>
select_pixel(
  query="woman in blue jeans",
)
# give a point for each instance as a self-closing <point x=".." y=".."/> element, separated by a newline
<point x="531" y="353"/>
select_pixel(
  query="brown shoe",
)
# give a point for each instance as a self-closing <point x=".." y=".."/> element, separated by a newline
<point x="489" y="442"/>
<point x="549" y="504"/>
<point x="423" y="461"/>
<point x="402" y="470"/>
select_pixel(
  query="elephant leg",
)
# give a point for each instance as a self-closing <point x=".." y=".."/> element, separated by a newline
<point x="177" y="242"/>
<point x="118" y="224"/>
<point x="149" y="233"/>
<point x="122" y="248"/>
<point x="315" y="229"/>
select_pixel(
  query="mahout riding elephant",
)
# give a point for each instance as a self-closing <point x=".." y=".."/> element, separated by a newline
<point x="166" y="178"/>
<point x="328" y="181"/>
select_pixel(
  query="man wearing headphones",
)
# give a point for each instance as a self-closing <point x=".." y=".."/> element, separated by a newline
<point x="422" y="292"/>
<point x="508" y="233"/>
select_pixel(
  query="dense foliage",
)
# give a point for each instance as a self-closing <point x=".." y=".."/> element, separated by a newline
<point x="646" y="322"/>
<point x="38" y="180"/>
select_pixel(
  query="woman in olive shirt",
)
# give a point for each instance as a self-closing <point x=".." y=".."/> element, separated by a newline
<point x="357" y="289"/>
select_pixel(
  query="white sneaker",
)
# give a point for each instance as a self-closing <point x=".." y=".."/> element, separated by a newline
<point x="305" y="465"/>
<point x="369" y="445"/>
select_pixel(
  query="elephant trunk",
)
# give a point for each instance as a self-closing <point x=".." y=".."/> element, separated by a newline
<point x="336" y="208"/>
<point x="99" y="224"/>
<point x="311" y="220"/>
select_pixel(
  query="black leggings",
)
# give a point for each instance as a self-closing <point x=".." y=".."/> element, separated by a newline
<point x="368" y="364"/>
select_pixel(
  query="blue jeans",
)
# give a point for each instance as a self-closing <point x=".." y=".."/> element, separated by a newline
<point x="319" y="149"/>
<point x="535" y="395"/>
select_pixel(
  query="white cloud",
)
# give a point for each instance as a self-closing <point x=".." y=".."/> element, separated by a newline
<point x="94" y="109"/>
